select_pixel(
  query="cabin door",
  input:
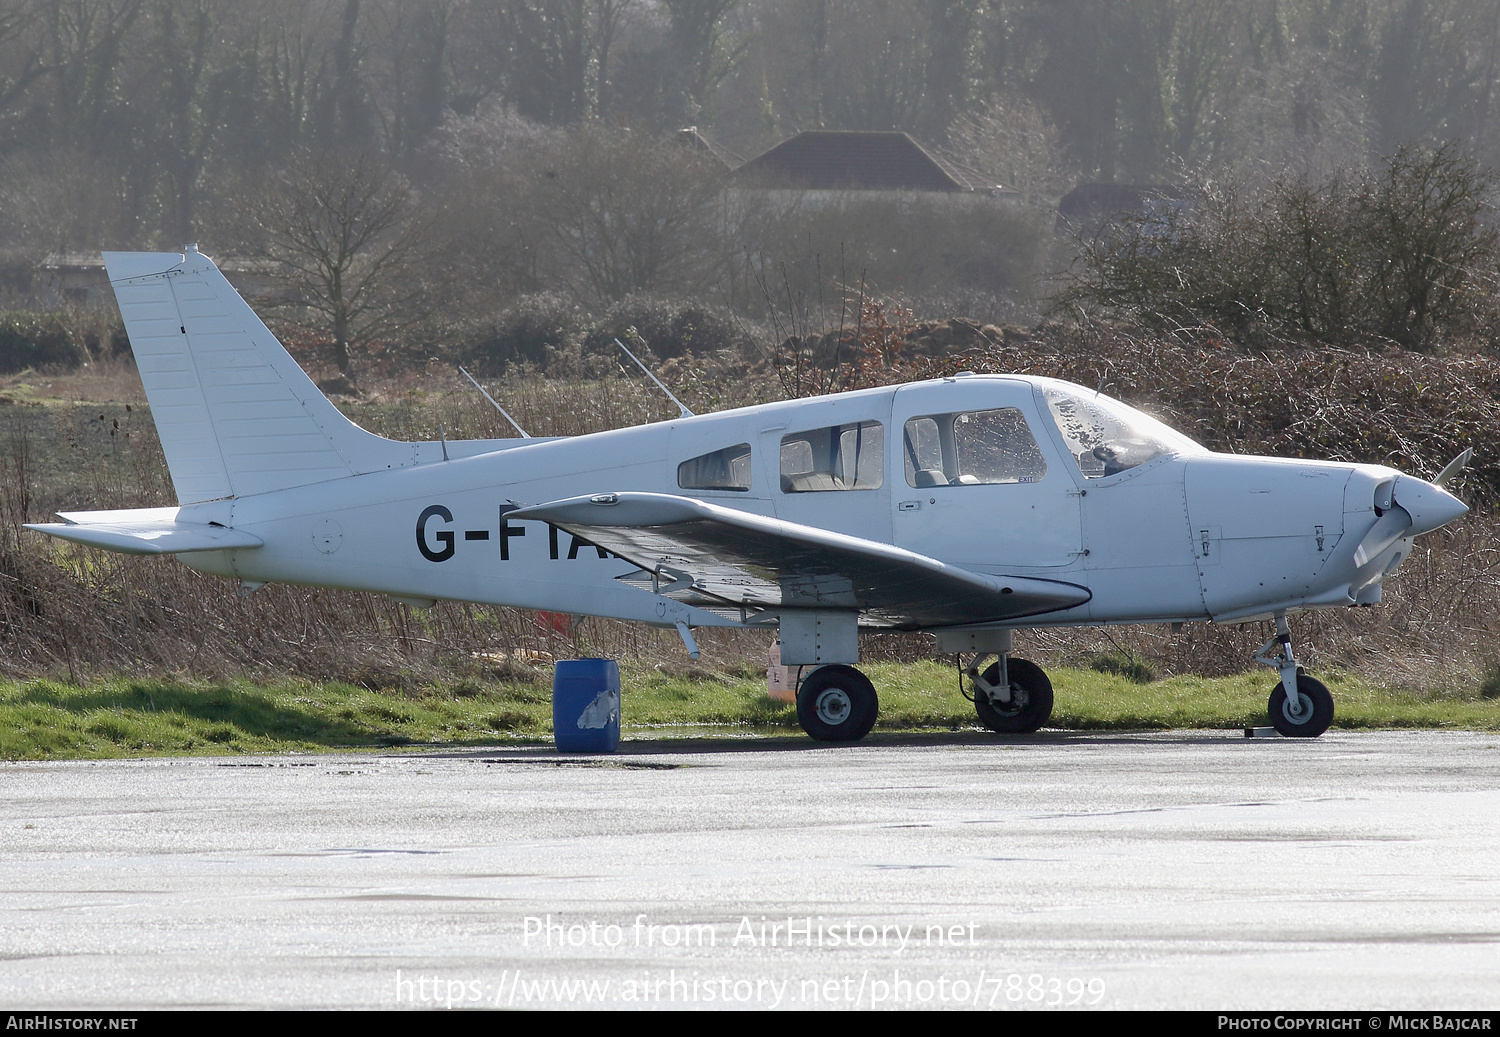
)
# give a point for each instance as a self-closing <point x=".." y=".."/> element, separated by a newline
<point x="976" y="479"/>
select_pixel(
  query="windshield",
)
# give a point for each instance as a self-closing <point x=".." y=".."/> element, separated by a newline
<point x="1106" y="436"/>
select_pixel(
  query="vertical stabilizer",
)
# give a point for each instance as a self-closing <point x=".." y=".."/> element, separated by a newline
<point x="236" y="414"/>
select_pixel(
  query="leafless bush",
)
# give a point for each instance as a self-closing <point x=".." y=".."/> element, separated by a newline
<point x="1401" y="257"/>
<point x="892" y="246"/>
<point x="1012" y="139"/>
<point x="613" y="214"/>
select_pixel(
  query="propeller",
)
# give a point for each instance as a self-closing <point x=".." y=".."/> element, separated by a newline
<point x="1453" y="467"/>
<point x="1389" y="528"/>
<point x="1408" y="507"/>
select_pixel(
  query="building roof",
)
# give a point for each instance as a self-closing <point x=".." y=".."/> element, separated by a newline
<point x="690" y="138"/>
<point x="844" y="160"/>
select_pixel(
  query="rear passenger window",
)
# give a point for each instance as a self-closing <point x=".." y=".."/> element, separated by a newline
<point x="839" y="457"/>
<point x="727" y="469"/>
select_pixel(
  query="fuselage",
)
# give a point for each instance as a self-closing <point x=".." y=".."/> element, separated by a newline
<point x="999" y="475"/>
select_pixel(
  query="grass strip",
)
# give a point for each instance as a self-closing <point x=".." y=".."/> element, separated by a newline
<point x="45" y="719"/>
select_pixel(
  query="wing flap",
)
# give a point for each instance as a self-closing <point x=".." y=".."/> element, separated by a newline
<point x="144" y="531"/>
<point x="699" y="550"/>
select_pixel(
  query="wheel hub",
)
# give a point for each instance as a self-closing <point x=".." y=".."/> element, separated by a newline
<point x="1017" y="703"/>
<point x="833" y="706"/>
<point x="1299" y="711"/>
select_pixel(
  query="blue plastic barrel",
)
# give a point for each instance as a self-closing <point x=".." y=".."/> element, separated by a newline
<point x="586" y="706"/>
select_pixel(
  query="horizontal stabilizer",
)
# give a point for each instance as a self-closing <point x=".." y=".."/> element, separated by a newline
<point x="703" y="554"/>
<point x="144" y="531"/>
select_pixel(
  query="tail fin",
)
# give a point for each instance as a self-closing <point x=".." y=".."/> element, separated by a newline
<point x="236" y="414"/>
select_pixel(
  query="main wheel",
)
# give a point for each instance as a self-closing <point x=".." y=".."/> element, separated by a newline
<point x="837" y="704"/>
<point x="1030" y="699"/>
<point x="1309" y="721"/>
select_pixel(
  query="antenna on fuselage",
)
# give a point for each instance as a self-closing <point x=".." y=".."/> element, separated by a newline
<point x="685" y="412"/>
<point x="524" y="433"/>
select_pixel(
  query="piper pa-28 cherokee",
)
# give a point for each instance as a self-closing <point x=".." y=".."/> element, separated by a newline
<point x="968" y="506"/>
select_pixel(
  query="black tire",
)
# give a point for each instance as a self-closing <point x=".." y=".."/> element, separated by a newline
<point x="1317" y="709"/>
<point x="837" y="704"/>
<point x="1031" y="695"/>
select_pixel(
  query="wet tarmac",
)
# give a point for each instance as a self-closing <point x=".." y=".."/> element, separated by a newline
<point x="1059" y="872"/>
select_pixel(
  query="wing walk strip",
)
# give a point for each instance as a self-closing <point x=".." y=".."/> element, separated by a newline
<point x="738" y="557"/>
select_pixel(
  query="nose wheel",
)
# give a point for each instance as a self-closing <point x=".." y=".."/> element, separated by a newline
<point x="1309" y="716"/>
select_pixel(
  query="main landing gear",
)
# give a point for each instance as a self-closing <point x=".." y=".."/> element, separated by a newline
<point x="1011" y="696"/>
<point x="837" y="703"/>
<point x="1300" y="707"/>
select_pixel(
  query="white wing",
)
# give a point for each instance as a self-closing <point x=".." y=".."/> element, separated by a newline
<point x="710" y="555"/>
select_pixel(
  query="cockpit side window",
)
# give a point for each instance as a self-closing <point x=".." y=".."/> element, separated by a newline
<point x="972" y="448"/>
<point x="727" y="469"/>
<point x="839" y="457"/>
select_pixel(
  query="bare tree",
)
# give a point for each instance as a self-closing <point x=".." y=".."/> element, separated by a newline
<point x="622" y="213"/>
<point x="1427" y="219"/>
<point x="345" y="236"/>
<point x="1011" y="139"/>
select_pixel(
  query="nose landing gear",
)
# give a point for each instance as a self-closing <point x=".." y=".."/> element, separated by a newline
<point x="1300" y="706"/>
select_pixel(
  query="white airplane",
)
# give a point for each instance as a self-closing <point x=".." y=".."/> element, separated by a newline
<point x="968" y="506"/>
